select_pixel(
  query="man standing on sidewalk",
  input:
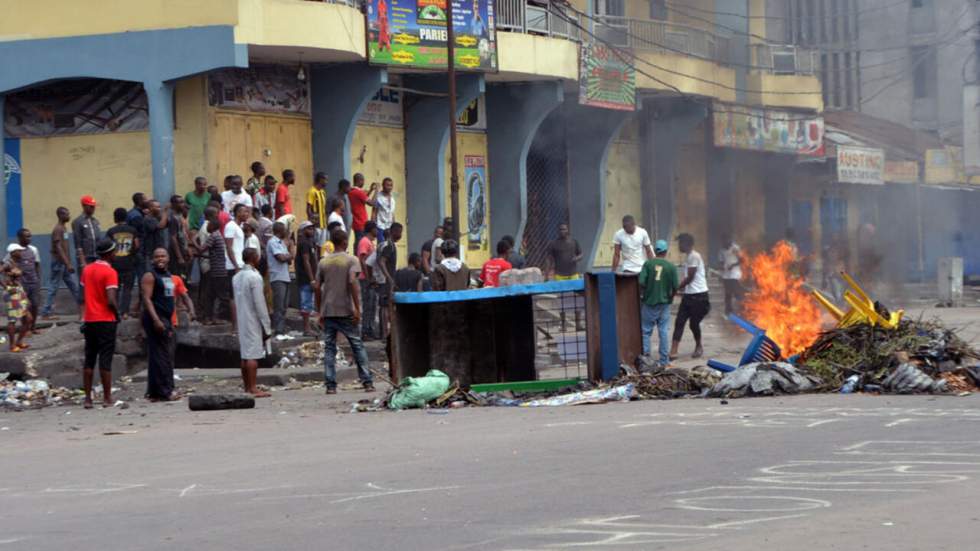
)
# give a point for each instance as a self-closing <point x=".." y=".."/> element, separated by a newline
<point x="631" y="245"/>
<point x="280" y="254"/>
<point x="86" y="231"/>
<point x="366" y="250"/>
<point x="338" y="296"/>
<point x="124" y="257"/>
<point x="101" y="283"/>
<point x="253" y="320"/>
<point x="694" y="304"/>
<point x="61" y="267"/>
<point x="658" y="284"/>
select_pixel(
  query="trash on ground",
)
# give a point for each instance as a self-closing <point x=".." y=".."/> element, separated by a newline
<point x="416" y="392"/>
<point x="764" y="379"/>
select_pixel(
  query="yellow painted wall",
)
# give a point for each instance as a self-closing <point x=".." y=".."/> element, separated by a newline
<point x="385" y="157"/>
<point x="58" y="170"/>
<point x="314" y="25"/>
<point x="522" y="54"/>
<point x="685" y="65"/>
<point x="691" y="198"/>
<point x="757" y="23"/>
<point x="623" y="190"/>
<point x="757" y="80"/>
<point x="748" y="220"/>
<point x="470" y="143"/>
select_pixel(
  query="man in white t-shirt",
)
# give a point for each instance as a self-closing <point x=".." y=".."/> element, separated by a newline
<point x="235" y="196"/>
<point x="731" y="273"/>
<point x="694" y="296"/>
<point x="384" y="209"/>
<point x="632" y="247"/>
<point x="235" y="238"/>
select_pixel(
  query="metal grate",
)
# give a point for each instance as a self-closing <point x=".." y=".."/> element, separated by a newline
<point x="547" y="190"/>
<point x="561" y="350"/>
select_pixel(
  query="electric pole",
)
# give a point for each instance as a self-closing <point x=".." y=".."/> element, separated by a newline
<point x="453" y="171"/>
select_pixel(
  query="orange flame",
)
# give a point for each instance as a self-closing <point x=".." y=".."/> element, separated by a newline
<point x="779" y="303"/>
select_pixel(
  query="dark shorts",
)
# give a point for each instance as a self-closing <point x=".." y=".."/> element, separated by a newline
<point x="100" y="344"/>
<point x="33" y="292"/>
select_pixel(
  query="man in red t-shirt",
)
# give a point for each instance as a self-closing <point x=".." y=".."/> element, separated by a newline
<point x="284" y="203"/>
<point x="100" y="283"/>
<point x="359" y="200"/>
<point x="365" y="250"/>
<point x="490" y="275"/>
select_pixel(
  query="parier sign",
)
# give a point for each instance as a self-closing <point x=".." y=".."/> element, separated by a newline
<point x="860" y="165"/>
<point x="413" y="33"/>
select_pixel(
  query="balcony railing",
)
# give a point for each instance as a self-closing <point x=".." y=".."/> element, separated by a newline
<point x="784" y="59"/>
<point x="663" y="37"/>
<point x="535" y="17"/>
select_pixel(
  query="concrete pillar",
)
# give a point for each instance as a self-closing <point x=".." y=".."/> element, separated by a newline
<point x="3" y="192"/>
<point x="590" y="133"/>
<point x="338" y="96"/>
<point x="426" y="138"/>
<point x="668" y="124"/>
<point x="160" y="96"/>
<point x="514" y="113"/>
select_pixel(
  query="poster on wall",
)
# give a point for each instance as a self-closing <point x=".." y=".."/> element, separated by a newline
<point x="860" y="165"/>
<point x="605" y="79"/>
<point x="384" y="109"/>
<point x="945" y="166"/>
<point x="768" y="130"/>
<point x="473" y="118"/>
<point x="902" y="172"/>
<point x="12" y="185"/>
<point x="476" y="200"/>
<point x="413" y="33"/>
<point x="263" y="88"/>
<point x="83" y="106"/>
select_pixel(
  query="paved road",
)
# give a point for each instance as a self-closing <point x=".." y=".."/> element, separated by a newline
<point x="814" y="472"/>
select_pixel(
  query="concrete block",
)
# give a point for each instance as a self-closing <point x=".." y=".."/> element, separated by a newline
<point x="209" y="402"/>
<point x="521" y="277"/>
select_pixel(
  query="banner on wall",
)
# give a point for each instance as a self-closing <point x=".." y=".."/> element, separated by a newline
<point x="384" y="109"/>
<point x="262" y="88"/>
<point x="83" y="106"/>
<point x="902" y="172"/>
<point x="413" y="33"/>
<point x="860" y="165"/>
<point x="476" y="200"/>
<point x="605" y="79"/>
<point x="12" y="185"/>
<point x="768" y="130"/>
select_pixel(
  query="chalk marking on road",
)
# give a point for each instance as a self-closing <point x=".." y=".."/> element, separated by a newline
<point x="94" y="491"/>
<point x="803" y="504"/>
<point x="394" y="492"/>
<point x="11" y="540"/>
<point x="740" y="523"/>
<point x="898" y="422"/>
<point x="794" y="488"/>
<point x="568" y="424"/>
<point x="381" y="492"/>
<point x="187" y="490"/>
<point x="821" y="422"/>
<point x="931" y="448"/>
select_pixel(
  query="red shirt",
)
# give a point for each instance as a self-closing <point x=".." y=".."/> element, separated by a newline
<point x="97" y="278"/>
<point x="358" y="209"/>
<point x="364" y="249"/>
<point x="179" y="290"/>
<point x="223" y="219"/>
<point x="282" y="196"/>
<point x="492" y="270"/>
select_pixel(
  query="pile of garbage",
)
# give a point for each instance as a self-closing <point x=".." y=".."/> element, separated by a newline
<point x="915" y="356"/>
<point x="33" y="394"/>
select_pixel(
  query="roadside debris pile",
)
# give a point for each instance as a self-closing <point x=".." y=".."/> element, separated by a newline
<point x="915" y="356"/>
<point x="34" y="394"/>
<point x="764" y="379"/>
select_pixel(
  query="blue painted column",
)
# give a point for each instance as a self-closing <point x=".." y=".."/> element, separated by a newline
<point x="3" y="192"/>
<point x="338" y="96"/>
<point x="160" y="96"/>
<point x="514" y="113"/>
<point x="426" y="138"/>
<point x="590" y="133"/>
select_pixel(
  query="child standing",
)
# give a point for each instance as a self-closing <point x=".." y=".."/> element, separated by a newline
<point x="15" y="302"/>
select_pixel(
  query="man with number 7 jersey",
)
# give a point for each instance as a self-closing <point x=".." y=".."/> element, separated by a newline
<point x="658" y="285"/>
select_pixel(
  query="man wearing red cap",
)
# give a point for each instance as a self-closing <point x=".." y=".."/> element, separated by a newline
<point x="86" y="233"/>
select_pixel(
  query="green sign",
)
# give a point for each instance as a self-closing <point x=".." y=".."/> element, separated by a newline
<point x="413" y="33"/>
<point x="606" y="80"/>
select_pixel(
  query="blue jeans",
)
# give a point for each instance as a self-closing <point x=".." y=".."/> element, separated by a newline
<point x="306" y="302"/>
<point x="331" y="326"/>
<point x="658" y="315"/>
<point x="59" y="273"/>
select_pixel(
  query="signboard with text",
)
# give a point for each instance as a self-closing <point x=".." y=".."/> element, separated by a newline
<point x="860" y="165"/>
<point x="768" y="130"/>
<point x="605" y="79"/>
<point x="902" y="172"/>
<point x="264" y="88"/>
<point x="413" y="33"/>
<point x="384" y="109"/>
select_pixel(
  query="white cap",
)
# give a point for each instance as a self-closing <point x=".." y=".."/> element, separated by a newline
<point x="15" y="247"/>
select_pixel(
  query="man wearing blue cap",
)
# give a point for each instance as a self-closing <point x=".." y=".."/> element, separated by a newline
<point x="658" y="284"/>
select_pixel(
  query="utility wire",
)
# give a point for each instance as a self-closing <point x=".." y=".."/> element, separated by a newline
<point x="831" y="15"/>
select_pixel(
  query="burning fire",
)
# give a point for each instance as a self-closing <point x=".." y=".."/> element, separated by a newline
<point x="779" y="303"/>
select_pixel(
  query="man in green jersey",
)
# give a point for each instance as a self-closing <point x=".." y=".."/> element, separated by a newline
<point x="658" y="284"/>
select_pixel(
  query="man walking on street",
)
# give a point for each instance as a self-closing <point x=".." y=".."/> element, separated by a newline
<point x="658" y="284"/>
<point x="126" y="244"/>
<point x="338" y="296"/>
<point x="280" y="254"/>
<point x="62" y="270"/>
<point x="30" y="275"/>
<point x="101" y="284"/>
<point x="694" y="302"/>
<point x="630" y="244"/>
<point x="731" y="274"/>
<point x="253" y="320"/>
<point x="85" y="229"/>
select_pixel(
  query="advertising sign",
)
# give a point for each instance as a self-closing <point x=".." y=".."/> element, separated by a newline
<point x="945" y="166"/>
<point x="768" y="130"/>
<point x="261" y="88"/>
<point x="384" y="109"/>
<point x="476" y="200"/>
<point x="605" y="80"/>
<point x="413" y="33"/>
<point x="83" y="106"/>
<point x="860" y="165"/>
<point x="902" y="172"/>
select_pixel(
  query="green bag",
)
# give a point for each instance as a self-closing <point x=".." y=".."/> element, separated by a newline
<point x="415" y="392"/>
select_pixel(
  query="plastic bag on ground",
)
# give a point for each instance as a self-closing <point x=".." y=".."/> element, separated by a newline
<point x="416" y="392"/>
<point x="621" y="393"/>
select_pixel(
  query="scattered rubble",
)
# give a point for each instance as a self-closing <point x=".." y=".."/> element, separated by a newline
<point x="34" y="394"/>
<point x="764" y="379"/>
